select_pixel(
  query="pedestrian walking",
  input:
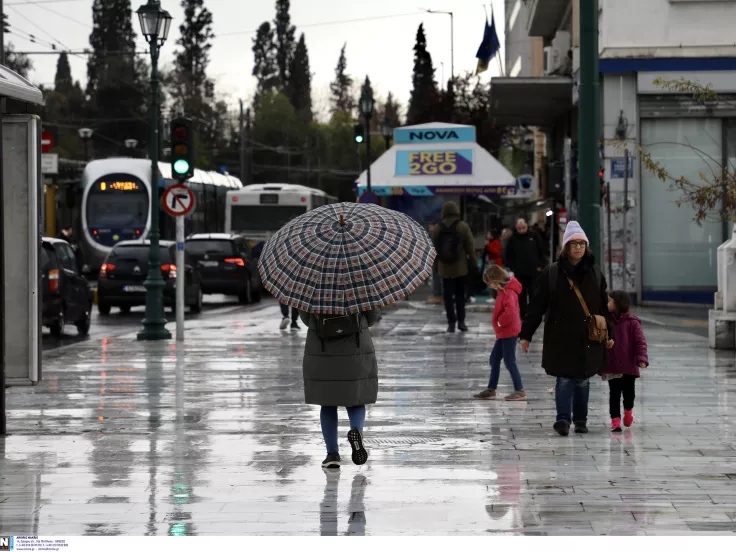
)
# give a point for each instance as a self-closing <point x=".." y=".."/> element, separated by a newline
<point x="572" y="295"/>
<point x="525" y="257"/>
<point x="454" y="244"/>
<point x="339" y="264"/>
<point x="436" y="278"/>
<point x="506" y="325"/>
<point x="625" y="359"/>
<point x="285" y="317"/>
<point x="494" y="249"/>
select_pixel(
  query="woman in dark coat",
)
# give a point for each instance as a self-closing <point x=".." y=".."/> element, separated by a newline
<point x="341" y="371"/>
<point x="567" y="353"/>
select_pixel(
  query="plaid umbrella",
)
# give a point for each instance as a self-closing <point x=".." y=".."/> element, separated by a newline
<point x="346" y="258"/>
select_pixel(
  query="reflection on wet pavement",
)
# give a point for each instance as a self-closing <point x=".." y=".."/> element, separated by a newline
<point x="212" y="438"/>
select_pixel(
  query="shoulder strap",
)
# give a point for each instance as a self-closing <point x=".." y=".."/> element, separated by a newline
<point x="580" y="297"/>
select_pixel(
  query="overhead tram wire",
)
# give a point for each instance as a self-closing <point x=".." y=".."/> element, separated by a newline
<point x="42" y="30"/>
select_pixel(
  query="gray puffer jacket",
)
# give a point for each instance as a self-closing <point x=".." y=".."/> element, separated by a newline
<point x="337" y="372"/>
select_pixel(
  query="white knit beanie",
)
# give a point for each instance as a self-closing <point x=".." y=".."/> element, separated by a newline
<point x="574" y="232"/>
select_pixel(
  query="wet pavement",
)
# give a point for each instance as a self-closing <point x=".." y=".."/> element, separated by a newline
<point x="212" y="438"/>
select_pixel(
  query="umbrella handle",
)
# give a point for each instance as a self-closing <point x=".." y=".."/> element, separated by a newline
<point x="342" y="220"/>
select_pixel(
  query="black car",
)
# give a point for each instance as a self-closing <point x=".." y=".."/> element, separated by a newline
<point x="227" y="265"/>
<point x="122" y="275"/>
<point x="66" y="296"/>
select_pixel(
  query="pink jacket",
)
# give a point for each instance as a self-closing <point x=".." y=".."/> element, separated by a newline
<point x="506" y="317"/>
<point x="629" y="346"/>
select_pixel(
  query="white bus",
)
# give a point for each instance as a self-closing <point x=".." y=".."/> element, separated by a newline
<point x="258" y="211"/>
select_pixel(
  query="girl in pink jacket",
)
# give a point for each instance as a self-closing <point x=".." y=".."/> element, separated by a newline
<point x="507" y="325"/>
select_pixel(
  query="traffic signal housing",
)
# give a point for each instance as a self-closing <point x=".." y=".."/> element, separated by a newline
<point x="182" y="149"/>
<point x="359" y="133"/>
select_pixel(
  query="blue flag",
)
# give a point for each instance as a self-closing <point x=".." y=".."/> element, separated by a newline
<point x="489" y="47"/>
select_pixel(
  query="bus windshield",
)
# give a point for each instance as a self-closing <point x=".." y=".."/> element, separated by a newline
<point x="263" y="218"/>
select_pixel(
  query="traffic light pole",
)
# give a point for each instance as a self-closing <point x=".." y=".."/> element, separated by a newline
<point x="589" y="114"/>
<point x="154" y="323"/>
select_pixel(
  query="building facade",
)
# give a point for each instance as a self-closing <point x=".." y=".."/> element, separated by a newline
<point x="652" y="246"/>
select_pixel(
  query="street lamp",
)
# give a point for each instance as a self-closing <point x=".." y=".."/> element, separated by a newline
<point x="85" y="134"/>
<point x="155" y="23"/>
<point x="387" y="129"/>
<point x="366" y="108"/>
<point x="130" y="145"/>
<point x="452" y="41"/>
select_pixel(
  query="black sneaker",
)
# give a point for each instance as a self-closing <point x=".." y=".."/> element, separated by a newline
<point x="295" y="325"/>
<point x="360" y="455"/>
<point x="451" y="328"/>
<point x="581" y="427"/>
<point x="462" y="327"/>
<point x="332" y="461"/>
<point x="562" y="427"/>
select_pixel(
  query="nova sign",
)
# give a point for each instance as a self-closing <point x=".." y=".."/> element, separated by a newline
<point x="434" y="135"/>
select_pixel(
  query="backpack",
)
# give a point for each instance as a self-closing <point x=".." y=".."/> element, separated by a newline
<point x="338" y="326"/>
<point x="448" y="244"/>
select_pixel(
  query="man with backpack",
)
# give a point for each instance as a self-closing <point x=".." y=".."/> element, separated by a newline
<point x="453" y="241"/>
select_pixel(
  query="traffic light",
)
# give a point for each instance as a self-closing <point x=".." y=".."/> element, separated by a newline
<point x="359" y="134"/>
<point x="182" y="149"/>
<point x="6" y="24"/>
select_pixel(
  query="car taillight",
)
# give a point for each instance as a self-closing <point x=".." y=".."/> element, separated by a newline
<point x="54" y="280"/>
<point x="105" y="268"/>
<point x="170" y="268"/>
<point x="236" y="261"/>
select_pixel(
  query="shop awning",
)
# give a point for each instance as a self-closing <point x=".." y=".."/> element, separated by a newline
<point x="530" y="101"/>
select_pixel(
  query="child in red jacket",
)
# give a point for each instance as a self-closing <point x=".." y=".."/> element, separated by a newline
<point x="507" y="325"/>
<point x="625" y="358"/>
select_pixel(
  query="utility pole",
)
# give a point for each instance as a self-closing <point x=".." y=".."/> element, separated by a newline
<point x="589" y="126"/>
<point x="242" y="143"/>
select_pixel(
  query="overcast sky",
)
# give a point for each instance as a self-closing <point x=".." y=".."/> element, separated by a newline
<point x="380" y="44"/>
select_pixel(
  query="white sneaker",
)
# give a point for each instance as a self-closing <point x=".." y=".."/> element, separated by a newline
<point x="284" y="324"/>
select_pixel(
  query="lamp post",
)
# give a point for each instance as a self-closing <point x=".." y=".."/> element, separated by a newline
<point x="155" y="23"/>
<point x="452" y="41"/>
<point x="131" y="144"/>
<point x="366" y="108"/>
<point x="387" y="129"/>
<point x="85" y="134"/>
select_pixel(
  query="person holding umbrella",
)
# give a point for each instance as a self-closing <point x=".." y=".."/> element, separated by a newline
<point x="330" y="263"/>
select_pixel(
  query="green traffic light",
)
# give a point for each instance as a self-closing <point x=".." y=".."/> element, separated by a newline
<point x="359" y="139"/>
<point x="181" y="166"/>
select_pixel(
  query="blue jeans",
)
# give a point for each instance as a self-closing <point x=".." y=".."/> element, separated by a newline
<point x="506" y="349"/>
<point x="328" y="417"/>
<point x="571" y="397"/>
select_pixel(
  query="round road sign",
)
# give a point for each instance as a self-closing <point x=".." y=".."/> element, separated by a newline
<point x="47" y="141"/>
<point x="178" y="200"/>
<point x="368" y="197"/>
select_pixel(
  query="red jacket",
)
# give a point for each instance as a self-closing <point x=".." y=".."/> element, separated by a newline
<point x="506" y="317"/>
<point x="629" y="346"/>
<point x="494" y="251"/>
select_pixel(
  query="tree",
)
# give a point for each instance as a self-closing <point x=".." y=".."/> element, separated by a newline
<point x="63" y="80"/>
<point x="115" y="83"/>
<point x="17" y="62"/>
<point x="425" y="96"/>
<point x="391" y="109"/>
<point x="192" y="89"/>
<point x="300" y="82"/>
<point x="471" y="105"/>
<point x="340" y="88"/>
<point x="284" y="42"/>
<point x="264" y="62"/>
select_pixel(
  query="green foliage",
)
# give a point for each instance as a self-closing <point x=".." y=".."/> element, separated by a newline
<point x="300" y="81"/>
<point x="425" y="96"/>
<point x="284" y="42"/>
<point x="341" y="100"/>
<point x="20" y="63"/>
<point x="264" y="62"/>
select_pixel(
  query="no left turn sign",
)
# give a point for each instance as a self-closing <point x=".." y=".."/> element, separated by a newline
<point x="178" y="200"/>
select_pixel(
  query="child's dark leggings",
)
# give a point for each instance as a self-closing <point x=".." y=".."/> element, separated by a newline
<point x="621" y="386"/>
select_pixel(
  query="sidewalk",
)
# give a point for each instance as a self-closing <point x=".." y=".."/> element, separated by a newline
<point x="212" y="437"/>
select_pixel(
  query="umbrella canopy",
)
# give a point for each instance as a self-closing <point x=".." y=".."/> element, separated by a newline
<point x="346" y="258"/>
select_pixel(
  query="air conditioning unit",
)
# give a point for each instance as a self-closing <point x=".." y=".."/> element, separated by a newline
<point x="556" y="55"/>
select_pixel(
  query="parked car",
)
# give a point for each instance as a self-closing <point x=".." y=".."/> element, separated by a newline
<point x="122" y="275"/>
<point x="65" y="293"/>
<point x="227" y="265"/>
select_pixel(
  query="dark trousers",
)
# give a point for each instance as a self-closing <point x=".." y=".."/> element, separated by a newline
<point x="626" y="386"/>
<point x="571" y="398"/>
<point x="505" y="348"/>
<point x="454" y="291"/>
<point x="285" y="312"/>
<point x="528" y="286"/>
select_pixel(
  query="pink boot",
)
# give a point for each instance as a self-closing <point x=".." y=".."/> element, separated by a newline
<point x="616" y="425"/>
<point x="628" y="417"/>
